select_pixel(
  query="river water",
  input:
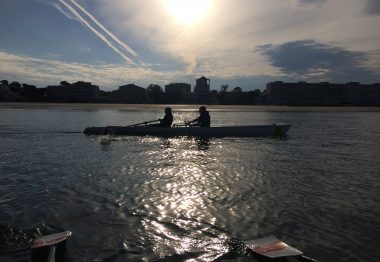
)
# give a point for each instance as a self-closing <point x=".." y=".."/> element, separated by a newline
<point x="177" y="199"/>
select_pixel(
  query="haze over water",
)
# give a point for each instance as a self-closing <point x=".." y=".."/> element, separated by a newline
<point x="134" y="198"/>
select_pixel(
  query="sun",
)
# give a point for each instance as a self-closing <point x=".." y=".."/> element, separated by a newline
<point x="188" y="12"/>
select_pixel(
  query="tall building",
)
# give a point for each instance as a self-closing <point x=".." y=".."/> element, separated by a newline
<point x="202" y="90"/>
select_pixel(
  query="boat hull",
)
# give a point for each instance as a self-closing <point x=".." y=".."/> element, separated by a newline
<point x="226" y="131"/>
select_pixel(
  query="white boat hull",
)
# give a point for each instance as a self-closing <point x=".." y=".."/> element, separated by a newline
<point x="226" y="131"/>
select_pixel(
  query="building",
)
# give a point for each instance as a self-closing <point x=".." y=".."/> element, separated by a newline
<point x="57" y="93"/>
<point x="3" y="91"/>
<point x="3" y="87"/>
<point x="320" y="94"/>
<point x="202" y="90"/>
<point x="178" y="93"/>
<point x="76" y="92"/>
<point x="83" y="92"/>
<point x="132" y="94"/>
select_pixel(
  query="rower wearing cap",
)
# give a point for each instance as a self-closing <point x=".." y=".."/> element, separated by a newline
<point x="203" y="120"/>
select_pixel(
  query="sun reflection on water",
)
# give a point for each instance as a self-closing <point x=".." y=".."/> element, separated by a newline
<point x="178" y="197"/>
<point x="184" y="190"/>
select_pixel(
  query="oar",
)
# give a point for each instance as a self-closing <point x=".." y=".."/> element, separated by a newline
<point x="190" y="124"/>
<point x="109" y="130"/>
<point x="143" y="123"/>
<point x="274" y="248"/>
<point x="50" y="241"/>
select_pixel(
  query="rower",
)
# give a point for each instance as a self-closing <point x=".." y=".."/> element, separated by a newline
<point x="167" y="120"/>
<point x="203" y="120"/>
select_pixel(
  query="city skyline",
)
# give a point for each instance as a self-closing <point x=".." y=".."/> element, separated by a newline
<point x="239" y="43"/>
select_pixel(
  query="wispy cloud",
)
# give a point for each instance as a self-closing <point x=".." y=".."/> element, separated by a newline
<point x="42" y="72"/>
<point x="99" y="34"/>
<point x="313" y="2"/>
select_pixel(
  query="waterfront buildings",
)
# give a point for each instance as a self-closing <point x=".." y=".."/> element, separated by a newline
<point x="76" y="92"/>
<point x="320" y="94"/>
<point x="275" y="93"/>
<point x="3" y="88"/>
<point x="132" y="94"/>
<point x="179" y="93"/>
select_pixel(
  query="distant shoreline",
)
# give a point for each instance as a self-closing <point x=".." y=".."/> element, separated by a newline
<point x="139" y="107"/>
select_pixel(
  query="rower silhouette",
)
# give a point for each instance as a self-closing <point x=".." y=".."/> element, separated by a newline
<point x="203" y="120"/>
<point x="167" y="120"/>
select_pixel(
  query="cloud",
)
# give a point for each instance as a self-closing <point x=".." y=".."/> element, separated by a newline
<point x="309" y="60"/>
<point x="218" y="46"/>
<point x="221" y="43"/>
<point x="373" y="7"/>
<point x="309" y="2"/>
<point x="42" y="72"/>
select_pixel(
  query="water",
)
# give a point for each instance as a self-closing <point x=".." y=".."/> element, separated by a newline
<point x="176" y="199"/>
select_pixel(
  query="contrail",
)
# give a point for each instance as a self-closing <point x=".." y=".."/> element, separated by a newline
<point x="60" y="9"/>
<point x="117" y="40"/>
<point x="102" y="37"/>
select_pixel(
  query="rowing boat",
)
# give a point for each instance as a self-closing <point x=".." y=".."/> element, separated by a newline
<point x="224" y="131"/>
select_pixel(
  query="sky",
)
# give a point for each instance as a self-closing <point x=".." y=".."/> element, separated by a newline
<point x="245" y="43"/>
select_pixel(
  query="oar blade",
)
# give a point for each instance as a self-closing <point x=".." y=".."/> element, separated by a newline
<point x="51" y="239"/>
<point x="47" y="248"/>
<point x="272" y="247"/>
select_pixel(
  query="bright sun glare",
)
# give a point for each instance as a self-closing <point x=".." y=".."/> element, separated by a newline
<point x="188" y="12"/>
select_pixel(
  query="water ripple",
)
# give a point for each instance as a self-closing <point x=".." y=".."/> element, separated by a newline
<point x="152" y="199"/>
